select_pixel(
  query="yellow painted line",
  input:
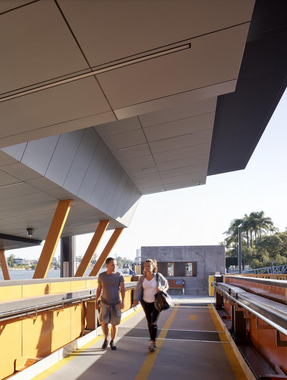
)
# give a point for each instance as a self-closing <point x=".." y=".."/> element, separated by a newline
<point x="192" y="317"/>
<point x="73" y="355"/>
<point x="151" y="358"/>
<point x="233" y="361"/>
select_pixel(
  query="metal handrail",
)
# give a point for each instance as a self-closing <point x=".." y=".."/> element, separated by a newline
<point x="28" y="311"/>
<point x="257" y="314"/>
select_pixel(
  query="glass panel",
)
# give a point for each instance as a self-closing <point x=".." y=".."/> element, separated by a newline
<point x="170" y="269"/>
<point x="188" y="269"/>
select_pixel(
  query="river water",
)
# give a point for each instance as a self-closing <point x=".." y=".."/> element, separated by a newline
<point x="28" y="274"/>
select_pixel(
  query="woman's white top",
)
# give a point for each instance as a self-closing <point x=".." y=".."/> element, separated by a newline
<point x="149" y="289"/>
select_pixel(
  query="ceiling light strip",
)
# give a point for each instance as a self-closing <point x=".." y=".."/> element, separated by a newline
<point x="99" y="71"/>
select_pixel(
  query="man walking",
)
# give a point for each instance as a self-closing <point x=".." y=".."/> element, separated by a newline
<point x="109" y="283"/>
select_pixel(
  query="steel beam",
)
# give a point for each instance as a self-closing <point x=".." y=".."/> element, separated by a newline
<point x="106" y="251"/>
<point x="52" y="239"/>
<point x="4" y="266"/>
<point x="92" y="247"/>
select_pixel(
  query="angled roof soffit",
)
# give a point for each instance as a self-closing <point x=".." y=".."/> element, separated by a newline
<point x="242" y="116"/>
<point x="104" y="117"/>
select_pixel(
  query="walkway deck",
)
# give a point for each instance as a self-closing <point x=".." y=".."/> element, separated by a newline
<point x="191" y="345"/>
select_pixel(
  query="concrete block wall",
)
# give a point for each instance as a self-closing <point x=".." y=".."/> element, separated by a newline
<point x="209" y="259"/>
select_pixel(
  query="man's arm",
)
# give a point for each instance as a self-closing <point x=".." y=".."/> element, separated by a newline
<point x="98" y="293"/>
<point x="122" y="285"/>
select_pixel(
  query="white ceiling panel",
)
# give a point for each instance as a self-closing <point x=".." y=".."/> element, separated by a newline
<point x="53" y="106"/>
<point x="149" y="184"/>
<point x="183" y="184"/>
<point x="146" y="179"/>
<point x="6" y="159"/>
<point x="120" y="126"/>
<point x="176" y="154"/>
<point x="144" y="161"/>
<point x="198" y="176"/>
<point x="27" y="210"/>
<point x="6" y="5"/>
<point x="124" y="23"/>
<point x="35" y="52"/>
<point x="191" y="139"/>
<point x="152" y="190"/>
<point x="43" y="184"/>
<point x="29" y="199"/>
<point x="16" y="190"/>
<point x="188" y="161"/>
<point x="175" y="100"/>
<point x="61" y="194"/>
<point x="212" y="59"/>
<point x="176" y="113"/>
<point x="63" y="127"/>
<point x="140" y="171"/>
<point x="184" y="170"/>
<point x="180" y="127"/>
<point x="125" y="139"/>
<point x="131" y="153"/>
<point x="20" y="171"/>
<point x="7" y="179"/>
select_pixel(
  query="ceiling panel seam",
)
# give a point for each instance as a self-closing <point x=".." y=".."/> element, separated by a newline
<point x="167" y="170"/>
<point x="52" y="155"/>
<point x="72" y="33"/>
<point x="186" y="146"/>
<point x="91" y="73"/>
<point x="160" y="47"/>
<point x="20" y="6"/>
<point x="88" y="166"/>
<point x="82" y="51"/>
<point x="176" y="93"/>
<point x="150" y="153"/>
<point x="179" y="119"/>
<point x="102" y="169"/>
<point x="75" y="158"/>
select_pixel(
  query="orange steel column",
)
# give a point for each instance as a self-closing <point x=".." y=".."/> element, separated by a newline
<point x="52" y="239"/>
<point x="92" y="247"/>
<point x="4" y="266"/>
<point x="106" y="251"/>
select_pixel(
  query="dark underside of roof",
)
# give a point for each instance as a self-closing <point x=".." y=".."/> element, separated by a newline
<point x="8" y="242"/>
<point x="242" y="116"/>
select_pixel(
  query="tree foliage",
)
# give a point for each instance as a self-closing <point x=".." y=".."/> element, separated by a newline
<point x="262" y="244"/>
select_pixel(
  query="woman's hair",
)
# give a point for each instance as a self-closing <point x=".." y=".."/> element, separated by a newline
<point x="154" y="263"/>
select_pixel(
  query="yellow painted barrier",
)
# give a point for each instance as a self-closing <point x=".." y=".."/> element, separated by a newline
<point x="25" y="340"/>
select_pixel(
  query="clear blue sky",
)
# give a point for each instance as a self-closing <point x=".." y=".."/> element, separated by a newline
<point x="200" y="215"/>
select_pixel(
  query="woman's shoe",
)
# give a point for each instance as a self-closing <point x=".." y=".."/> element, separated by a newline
<point x="152" y="346"/>
<point x="112" y="345"/>
<point x="105" y="344"/>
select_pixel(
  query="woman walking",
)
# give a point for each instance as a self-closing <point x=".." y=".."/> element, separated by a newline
<point x="148" y="285"/>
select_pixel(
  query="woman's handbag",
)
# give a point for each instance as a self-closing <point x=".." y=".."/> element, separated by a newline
<point x="162" y="301"/>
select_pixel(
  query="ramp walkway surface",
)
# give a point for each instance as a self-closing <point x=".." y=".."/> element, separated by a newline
<point x="191" y="344"/>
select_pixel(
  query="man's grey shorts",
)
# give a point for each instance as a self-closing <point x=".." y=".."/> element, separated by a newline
<point x="110" y="314"/>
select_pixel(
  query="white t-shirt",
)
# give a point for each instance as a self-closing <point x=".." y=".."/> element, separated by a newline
<point x="149" y="289"/>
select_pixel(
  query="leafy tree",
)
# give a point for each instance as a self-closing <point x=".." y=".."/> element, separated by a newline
<point x="10" y="261"/>
<point x="262" y="244"/>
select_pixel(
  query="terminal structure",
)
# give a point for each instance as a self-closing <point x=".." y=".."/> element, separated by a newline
<point x="101" y="103"/>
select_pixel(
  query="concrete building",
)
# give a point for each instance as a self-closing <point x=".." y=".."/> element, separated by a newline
<point x="187" y="265"/>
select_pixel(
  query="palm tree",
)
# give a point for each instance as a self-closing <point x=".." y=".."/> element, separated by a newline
<point x="232" y="232"/>
<point x="261" y="223"/>
<point x="255" y="223"/>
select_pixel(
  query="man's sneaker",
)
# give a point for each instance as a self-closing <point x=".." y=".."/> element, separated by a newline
<point x="105" y="344"/>
<point x="112" y="345"/>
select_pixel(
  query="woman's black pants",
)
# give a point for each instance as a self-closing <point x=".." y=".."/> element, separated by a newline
<point x="152" y="317"/>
